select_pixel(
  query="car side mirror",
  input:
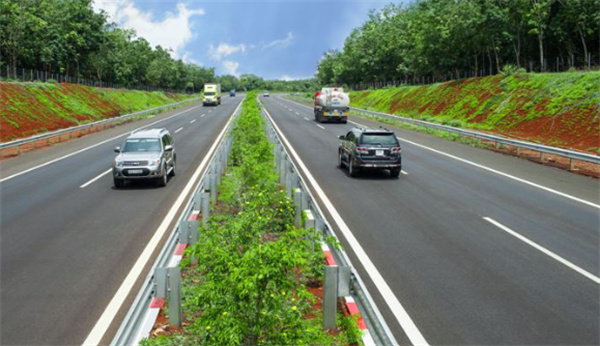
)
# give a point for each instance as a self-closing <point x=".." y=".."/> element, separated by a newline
<point x="169" y="148"/>
<point x="342" y="137"/>
<point x="117" y="149"/>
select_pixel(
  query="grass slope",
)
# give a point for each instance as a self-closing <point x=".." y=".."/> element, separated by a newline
<point x="558" y="109"/>
<point x="31" y="108"/>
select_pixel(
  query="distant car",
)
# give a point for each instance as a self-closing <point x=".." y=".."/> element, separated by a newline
<point x="266" y="94"/>
<point x="145" y="155"/>
<point x="232" y="93"/>
<point x="370" y="149"/>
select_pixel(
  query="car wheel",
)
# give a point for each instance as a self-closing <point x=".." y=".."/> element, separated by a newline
<point x="340" y="160"/>
<point x="162" y="181"/>
<point x="351" y="169"/>
<point x="118" y="183"/>
<point x="395" y="172"/>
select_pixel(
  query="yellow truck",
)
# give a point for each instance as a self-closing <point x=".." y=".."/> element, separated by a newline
<point x="212" y="94"/>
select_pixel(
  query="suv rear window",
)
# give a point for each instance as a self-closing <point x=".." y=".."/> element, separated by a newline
<point x="378" y="138"/>
<point x="209" y="93"/>
<point x="141" y="144"/>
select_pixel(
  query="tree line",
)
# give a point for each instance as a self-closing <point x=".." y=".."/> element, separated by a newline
<point x="69" y="38"/>
<point x="441" y="39"/>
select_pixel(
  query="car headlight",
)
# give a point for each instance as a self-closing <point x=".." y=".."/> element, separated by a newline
<point x="118" y="163"/>
<point x="154" y="162"/>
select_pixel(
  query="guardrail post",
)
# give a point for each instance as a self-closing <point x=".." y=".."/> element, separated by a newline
<point x="571" y="164"/>
<point x="310" y="223"/>
<point x="330" y="287"/>
<point x="343" y="281"/>
<point x="298" y="207"/>
<point x="282" y="167"/>
<point x="213" y="188"/>
<point x="160" y="277"/>
<point x="198" y="200"/>
<point x="174" y="298"/>
<point x="205" y="208"/>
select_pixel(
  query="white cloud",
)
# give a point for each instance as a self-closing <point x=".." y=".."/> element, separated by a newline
<point x="225" y="49"/>
<point x="231" y="67"/>
<point x="283" y="42"/>
<point x="287" y="78"/>
<point x="173" y="32"/>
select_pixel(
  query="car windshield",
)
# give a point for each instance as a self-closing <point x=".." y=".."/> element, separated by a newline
<point x="379" y="138"/>
<point x="209" y="93"/>
<point x="141" y="145"/>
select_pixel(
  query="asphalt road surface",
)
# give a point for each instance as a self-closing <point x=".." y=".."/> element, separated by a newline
<point x="68" y="241"/>
<point x="479" y="248"/>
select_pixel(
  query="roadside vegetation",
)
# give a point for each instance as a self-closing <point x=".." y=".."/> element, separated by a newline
<point x="559" y="109"/>
<point x="258" y="277"/>
<point x="431" y="40"/>
<point x="33" y="108"/>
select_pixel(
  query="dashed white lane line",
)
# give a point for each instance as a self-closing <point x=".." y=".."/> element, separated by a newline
<point x="305" y="118"/>
<point x="193" y="121"/>
<point x="297" y="113"/>
<point x="544" y="250"/>
<point x="320" y="126"/>
<point x="202" y="116"/>
<point x="404" y="172"/>
<point x="96" y="178"/>
<point x="179" y="129"/>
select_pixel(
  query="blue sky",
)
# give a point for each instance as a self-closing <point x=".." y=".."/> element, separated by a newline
<point x="272" y="39"/>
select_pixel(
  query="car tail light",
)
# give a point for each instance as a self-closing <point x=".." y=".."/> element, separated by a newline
<point x="396" y="150"/>
<point x="362" y="150"/>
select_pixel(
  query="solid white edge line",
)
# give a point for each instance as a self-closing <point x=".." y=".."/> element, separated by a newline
<point x="320" y="126"/>
<point x="562" y="194"/>
<point x="96" y="178"/>
<point x="393" y="303"/>
<point x="91" y="146"/>
<point x="544" y="250"/>
<point x="179" y="129"/>
<point x="103" y="323"/>
<point x="193" y="121"/>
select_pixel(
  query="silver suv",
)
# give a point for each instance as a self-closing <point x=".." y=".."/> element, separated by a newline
<point x="146" y="154"/>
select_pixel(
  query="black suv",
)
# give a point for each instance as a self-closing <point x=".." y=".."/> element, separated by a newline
<point x="370" y="149"/>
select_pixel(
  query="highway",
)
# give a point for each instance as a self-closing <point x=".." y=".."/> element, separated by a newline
<point x="479" y="248"/>
<point x="69" y="239"/>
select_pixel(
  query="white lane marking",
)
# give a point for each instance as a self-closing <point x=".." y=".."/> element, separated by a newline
<point x="403" y="172"/>
<point x="305" y="118"/>
<point x="544" y="250"/>
<point x="210" y="111"/>
<point x="91" y="146"/>
<point x="96" y="178"/>
<point x="193" y="121"/>
<point x="394" y="304"/>
<point x="116" y="302"/>
<point x="179" y="129"/>
<point x="202" y="116"/>
<point x="320" y="126"/>
<point x="297" y="113"/>
<point x="527" y="182"/>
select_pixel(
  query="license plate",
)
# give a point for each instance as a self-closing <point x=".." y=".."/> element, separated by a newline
<point x="379" y="152"/>
<point x="136" y="171"/>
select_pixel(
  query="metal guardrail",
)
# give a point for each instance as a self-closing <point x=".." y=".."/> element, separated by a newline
<point x="571" y="154"/>
<point x="132" y="323"/>
<point x="380" y="332"/>
<point x="19" y="142"/>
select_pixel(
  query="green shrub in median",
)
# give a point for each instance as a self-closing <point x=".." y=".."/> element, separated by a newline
<point x="254" y="267"/>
